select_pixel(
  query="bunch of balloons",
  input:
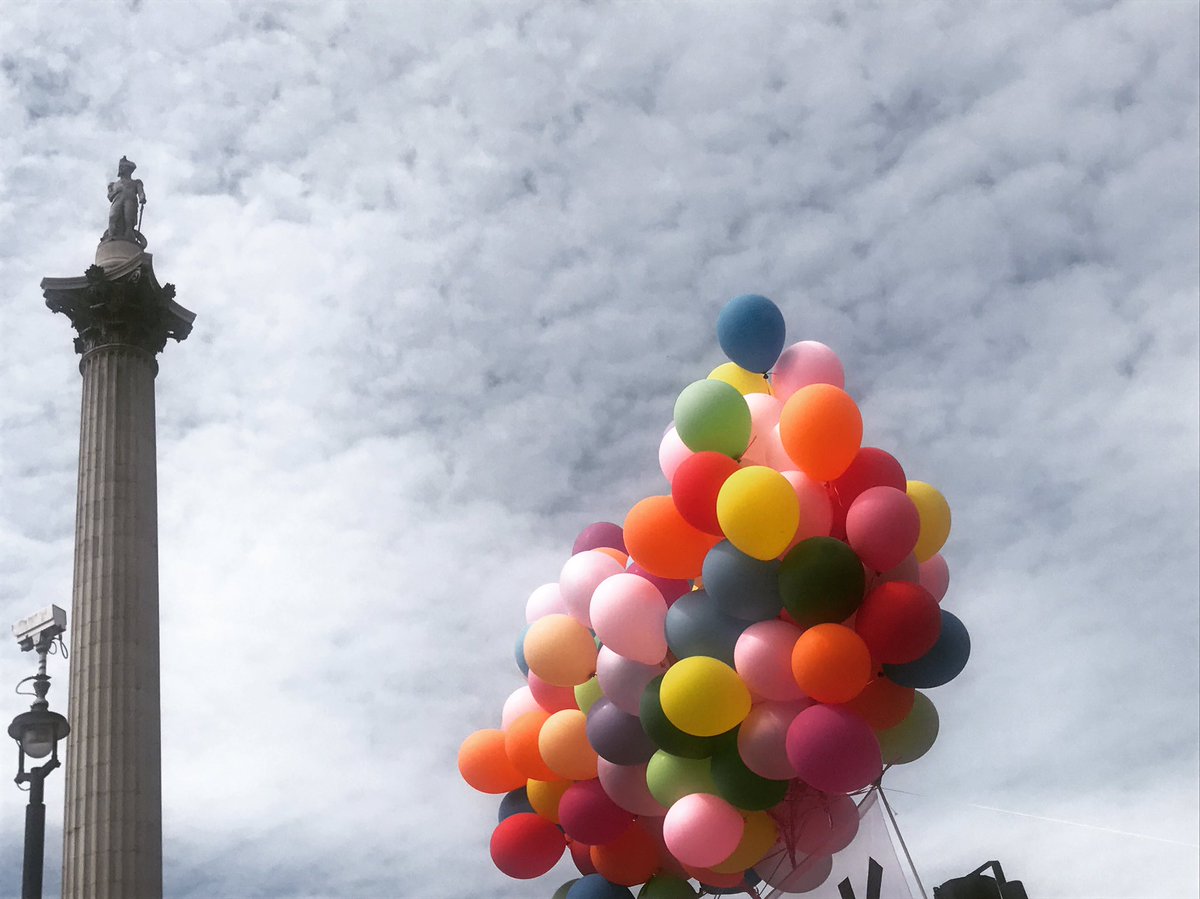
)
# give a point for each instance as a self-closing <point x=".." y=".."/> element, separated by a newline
<point x="708" y="684"/>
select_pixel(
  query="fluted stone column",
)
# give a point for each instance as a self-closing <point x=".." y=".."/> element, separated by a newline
<point x="112" y="840"/>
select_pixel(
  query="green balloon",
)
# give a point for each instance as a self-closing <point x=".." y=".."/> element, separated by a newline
<point x="912" y="737"/>
<point x="821" y="581"/>
<point x="670" y="778"/>
<point x="664" y="886"/>
<point x="741" y="787"/>
<point x="587" y="693"/>
<point x="561" y="892"/>
<point x="667" y="736"/>
<point x="712" y="416"/>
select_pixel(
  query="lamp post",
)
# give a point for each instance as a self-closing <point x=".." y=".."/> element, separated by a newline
<point x="37" y="733"/>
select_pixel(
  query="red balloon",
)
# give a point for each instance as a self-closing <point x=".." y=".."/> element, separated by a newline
<point x="588" y="815"/>
<point x="695" y="486"/>
<point x="581" y="854"/>
<point x="871" y="468"/>
<point x="899" y="622"/>
<point x="630" y="859"/>
<point x="525" y="846"/>
<point x="882" y="526"/>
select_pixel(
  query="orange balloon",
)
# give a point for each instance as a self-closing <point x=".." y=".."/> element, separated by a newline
<point x="831" y="663"/>
<point x="544" y="796"/>
<point x="484" y="764"/>
<point x="821" y="429"/>
<point x="883" y="703"/>
<point x="661" y="541"/>
<point x="564" y="745"/>
<point x="560" y="650"/>
<point x="630" y="859"/>
<point x="615" y="553"/>
<point x="521" y="746"/>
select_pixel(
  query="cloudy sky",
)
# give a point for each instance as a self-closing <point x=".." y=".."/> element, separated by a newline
<point x="452" y="263"/>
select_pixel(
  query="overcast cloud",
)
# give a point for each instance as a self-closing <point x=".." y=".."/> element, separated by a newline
<point x="451" y="265"/>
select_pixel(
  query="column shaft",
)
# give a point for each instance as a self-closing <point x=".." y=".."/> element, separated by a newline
<point x="112" y="840"/>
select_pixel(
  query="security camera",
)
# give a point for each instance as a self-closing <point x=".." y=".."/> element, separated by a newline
<point x="40" y="628"/>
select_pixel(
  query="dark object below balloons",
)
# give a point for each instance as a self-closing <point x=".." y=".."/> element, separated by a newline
<point x="978" y="885"/>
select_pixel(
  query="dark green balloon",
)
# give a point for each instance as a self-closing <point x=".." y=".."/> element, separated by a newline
<point x="664" y="886"/>
<point x="821" y="581"/>
<point x="738" y="785"/>
<point x="667" y="736"/>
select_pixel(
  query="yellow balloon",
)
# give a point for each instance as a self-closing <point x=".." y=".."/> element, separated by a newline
<point x="935" y="519"/>
<point x="703" y="697"/>
<point x="758" y="511"/>
<point x="560" y="651"/>
<point x="757" y="839"/>
<point x="544" y="796"/>
<point x="744" y="382"/>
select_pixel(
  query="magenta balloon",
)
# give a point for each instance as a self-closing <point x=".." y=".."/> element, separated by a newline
<point x="762" y="738"/>
<point x="589" y="815"/>
<point x="602" y="533"/>
<point x="671" y="453"/>
<point x="623" y="681"/>
<point x="519" y="702"/>
<point x="827" y="825"/>
<point x="626" y="786"/>
<point x="762" y="658"/>
<point x="934" y="576"/>
<point x="549" y="697"/>
<point x="629" y="616"/>
<point x="882" y="527"/>
<point x="670" y="588"/>
<point x="816" y="512"/>
<point x="545" y="600"/>
<point x="833" y="749"/>
<point x="804" y="876"/>
<point x="804" y="363"/>
<point x="580" y="577"/>
<point x="702" y="830"/>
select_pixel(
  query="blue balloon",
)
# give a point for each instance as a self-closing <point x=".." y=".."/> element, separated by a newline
<point x="742" y="586"/>
<point x="519" y="651"/>
<point x="751" y="331"/>
<point x="515" y="803"/>
<point x="697" y="627"/>
<point x="593" y="886"/>
<point x="941" y="664"/>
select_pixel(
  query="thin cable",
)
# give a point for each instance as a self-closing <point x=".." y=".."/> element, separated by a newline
<point x="1005" y="811"/>
<point x="903" y="845"/>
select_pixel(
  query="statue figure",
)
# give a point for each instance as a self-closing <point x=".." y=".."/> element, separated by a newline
<point x="126" y="196"/>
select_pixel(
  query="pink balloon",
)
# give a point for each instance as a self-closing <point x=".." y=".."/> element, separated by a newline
<point x="777" y="456"/>
<point x="550" y="697"/>
<point x="626" y="786"/>
<point x="545" y="600"/>
<point x="882" y="526"/>
<point x="670" y="865"/>
<point x="629" y="616"/>
<point x="762" y="657"/>
<point x="519" y="702"/>
<point x="907" y="571"/>
<point x="589" y="815"/>
<point x="764" y="416"/>
<point x="702" y="830"/>
<point x="671" y="453"/>
<point x="827" y="824"/>
<point x="623" y="680"/>
<point x="670" y="588"/>
<point x="580" y="577"/>
<point x="816" y="511"/>
<point x="934" y="576"/>
<point x="762" y="738"/>
<point x="804" y="876"/>
<point x="804" y="363"/>
<point x="833" y="749"/>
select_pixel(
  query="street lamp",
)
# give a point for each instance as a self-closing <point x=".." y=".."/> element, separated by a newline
<point x="37" y="733"/>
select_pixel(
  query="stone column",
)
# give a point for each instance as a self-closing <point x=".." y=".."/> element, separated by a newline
<point x="112" y="840"/>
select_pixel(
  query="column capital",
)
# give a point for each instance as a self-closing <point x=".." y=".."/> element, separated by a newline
<point x="119" y="302"/>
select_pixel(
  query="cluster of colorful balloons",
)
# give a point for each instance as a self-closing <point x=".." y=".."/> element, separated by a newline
<point x="709" y="683"/>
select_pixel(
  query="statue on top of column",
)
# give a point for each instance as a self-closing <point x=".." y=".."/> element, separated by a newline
<point x="126" y="196"/>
